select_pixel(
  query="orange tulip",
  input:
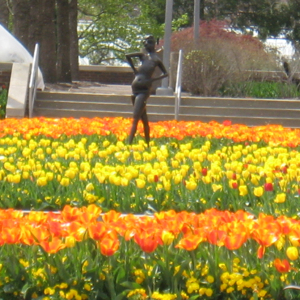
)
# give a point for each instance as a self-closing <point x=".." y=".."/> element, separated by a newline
<point x="235" y="241"/>
<point x="217" y="237"/>
<point x="111" y="216"/>
<point x="53" y="245"/>
<point x="189" y="243"/>
<point x="70" y="213"/>
<point x="90" y="213"/>
<point x="147" y="241"/>
<point x="109" y="244"/>
<point x="97" y="231"/>
<point x="77" y="230"/>
<point x="192" y="240"/>
<point x="11" y="231"/>
<point x="282" y="266"/>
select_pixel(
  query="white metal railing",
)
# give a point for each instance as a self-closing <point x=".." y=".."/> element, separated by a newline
<point x="33" y="79"/>
<point x="178" y="85"/>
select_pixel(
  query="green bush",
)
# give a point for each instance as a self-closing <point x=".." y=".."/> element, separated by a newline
<point x="220" y="58"/>
<point x="271" y="90"/>
<point x="204" y="72"/>
<point x="3" y="101"/>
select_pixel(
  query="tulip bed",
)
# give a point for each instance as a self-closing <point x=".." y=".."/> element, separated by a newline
<point x="208" y="211"/>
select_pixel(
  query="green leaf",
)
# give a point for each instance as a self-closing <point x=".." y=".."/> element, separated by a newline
<point x="26" y="287"/>
<point x="121" y="275"/>
<point x="131" y="285"/>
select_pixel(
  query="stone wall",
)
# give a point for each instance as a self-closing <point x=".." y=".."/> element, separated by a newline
<point x="106" y="75"/>
<point x="124" y="75"/>
<point x="101" y="74"/>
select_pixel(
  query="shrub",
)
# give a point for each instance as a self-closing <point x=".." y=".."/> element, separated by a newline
<point x="220" y="58"/>
<point x="204" y="72"/>
<point x="3" y="101"/>
<point x="271" y="90"/>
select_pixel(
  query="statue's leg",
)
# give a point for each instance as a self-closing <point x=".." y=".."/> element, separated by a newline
<point x="138" y="109"/>
<point x="133" y="99"/>
<point x="145" y="121"/>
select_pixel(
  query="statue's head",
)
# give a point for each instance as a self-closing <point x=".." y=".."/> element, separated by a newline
<point x="149" y="43"/>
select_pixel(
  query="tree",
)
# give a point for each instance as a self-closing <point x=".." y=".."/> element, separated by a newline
<point x="48" y="42"/>
<point x="63" y="42"/>
<point x="112" y="27"/>
<point x="293" y="23"/>
<point x="51" y="25"/>
<point x="74" y="51"/>
<point x="4" y="13"/>
<point x="21" y="11"/>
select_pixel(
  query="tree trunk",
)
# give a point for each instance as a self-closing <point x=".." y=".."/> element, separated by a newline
<point x="73" y="14"/>
<point x="21" y="9"/>
<point x="63" y="42"/>
<point x="48" y="42"/>
<point x="4" y="13"/>
<point x="36" y="24"/>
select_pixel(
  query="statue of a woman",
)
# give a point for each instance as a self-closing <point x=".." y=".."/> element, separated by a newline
<point x="141" y="85"/>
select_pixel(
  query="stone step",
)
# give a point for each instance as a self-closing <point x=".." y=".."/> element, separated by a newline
<point x="248" y="111"/>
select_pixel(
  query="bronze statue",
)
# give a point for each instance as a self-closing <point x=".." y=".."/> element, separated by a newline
<point x="141" y="85"/>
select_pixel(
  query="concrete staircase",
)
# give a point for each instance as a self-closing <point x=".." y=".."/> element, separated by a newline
<point x="248" y="111"/>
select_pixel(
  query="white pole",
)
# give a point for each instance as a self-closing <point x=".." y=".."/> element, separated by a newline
<point x="165" y="90"/>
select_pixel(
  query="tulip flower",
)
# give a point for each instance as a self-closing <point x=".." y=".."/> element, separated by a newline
<point x="258" y="191"/>
<point x="268" y="187"/>
<point x="97" y="231"/>
<point x="243" y="190"/>
<point x="280" y="198"/>
<point x="282" y="266"/>
<point x="292" y="253"/>
<point x="53" y="245"/>
<point x="109" y="244"/>
<point x="147" y="241"/>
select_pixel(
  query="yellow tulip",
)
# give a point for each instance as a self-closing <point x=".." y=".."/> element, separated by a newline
<point x="243" y="190"/>
<point x="117" y="180"/>
<point x="65" y="181"/>
<point x="124" y="181"/>
<point x="191" y="185"/>
<point x="208" y="292"/>
<point x="217" y="187"/>
<point x="70" y="173"/>
<point x="177" y="178"/>
<point x="167" y="184"/>
<point x="41" y="181"/>
<point x="70" y="241"/>
<point x="280" y="198"/>
<point x="175" y="163"/>
<point x="89" y="187"/>
<point x="258" y="191"/>
<point x="150" y="178"/>
<point x="16" y="178"/>
<point x="83" y="176"/>
<point x="25" y="175"/>
<point x="140" y="183"/>
<point x="292" y="253"/>
<point x="167" y="237"/>
<point x="49" y="176"/>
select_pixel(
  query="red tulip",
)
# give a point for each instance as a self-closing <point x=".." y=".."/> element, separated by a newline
<point x="269" y="187"/>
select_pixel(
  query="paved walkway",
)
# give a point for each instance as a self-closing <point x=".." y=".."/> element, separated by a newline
<point x="89" y="87"/>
